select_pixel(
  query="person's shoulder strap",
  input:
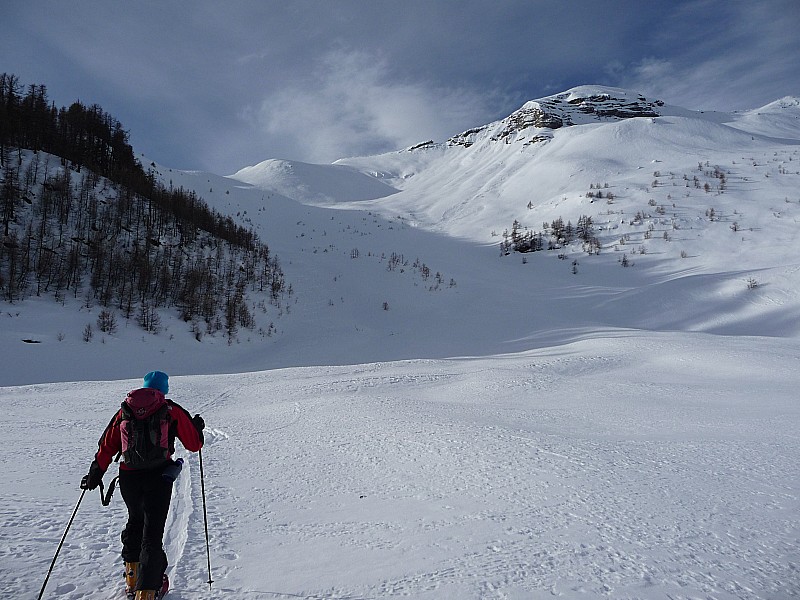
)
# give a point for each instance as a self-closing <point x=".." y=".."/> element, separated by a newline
<point x="177" y="406"/>
<point x="108" y="427"/>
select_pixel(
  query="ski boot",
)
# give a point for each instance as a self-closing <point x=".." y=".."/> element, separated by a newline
<point x="154" y="594"/>
<point x="131" y="571"/>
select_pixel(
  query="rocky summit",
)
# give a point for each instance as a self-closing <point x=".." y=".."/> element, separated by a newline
<point x="577" y="106"/>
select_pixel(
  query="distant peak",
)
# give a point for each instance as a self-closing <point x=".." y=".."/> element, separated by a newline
<point x="785" y="102"/>
<point x="577" y="106"/>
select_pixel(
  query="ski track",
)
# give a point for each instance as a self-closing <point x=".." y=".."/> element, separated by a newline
<point x="557" y="473"/>
<point x="176" y="530"/>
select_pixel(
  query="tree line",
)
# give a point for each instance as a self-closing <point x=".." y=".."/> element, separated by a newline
<point x="80" y="216"/>
<point x="88" y="137"/>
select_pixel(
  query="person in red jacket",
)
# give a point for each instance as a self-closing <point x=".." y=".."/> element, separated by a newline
<point x="143" y="432"/>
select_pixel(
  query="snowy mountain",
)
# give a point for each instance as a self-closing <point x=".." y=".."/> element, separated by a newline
<point x="313" y="183"/>
<point x="582" y="137"/>
<point x="436" y="417"/>
<point x="389" y="256"/>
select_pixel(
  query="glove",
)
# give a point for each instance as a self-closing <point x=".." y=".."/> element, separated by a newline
<point x="198" y="422"/>
<point x="94" y="478"/>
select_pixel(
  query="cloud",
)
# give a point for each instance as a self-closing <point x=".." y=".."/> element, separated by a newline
<point x="747" y="65"/>
<point x="351" y="103"/>
<point x="224" y="85"/>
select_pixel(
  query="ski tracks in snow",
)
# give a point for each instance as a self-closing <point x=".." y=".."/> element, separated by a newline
<point x="176" y="530"/>
<point x="184" y="535"/>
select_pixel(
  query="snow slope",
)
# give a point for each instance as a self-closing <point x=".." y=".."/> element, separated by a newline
<point x="628" y="466"/>
<point x="314" y="183"/>
<point x="471" y="191"/>
<point x="777" y="119"/>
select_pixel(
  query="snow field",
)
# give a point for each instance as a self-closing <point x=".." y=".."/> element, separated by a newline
<point x="558" y="472"/>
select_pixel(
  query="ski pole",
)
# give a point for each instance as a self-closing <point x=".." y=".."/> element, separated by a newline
<point x="205" y="517"/>
<point x="63" y="537"/>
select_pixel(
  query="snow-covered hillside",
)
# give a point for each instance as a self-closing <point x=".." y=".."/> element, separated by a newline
<point x="704" y="206"/>
<point x="483" y="179"/>
<point x="314" y="183"/>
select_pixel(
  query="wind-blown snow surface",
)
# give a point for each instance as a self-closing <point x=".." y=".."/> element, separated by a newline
<point x="626" y="466"/>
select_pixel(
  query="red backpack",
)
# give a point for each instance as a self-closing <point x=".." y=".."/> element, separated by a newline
<point x="145" y="429"/>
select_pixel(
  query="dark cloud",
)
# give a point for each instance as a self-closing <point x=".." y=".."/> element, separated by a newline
<point x="217" y="86"/>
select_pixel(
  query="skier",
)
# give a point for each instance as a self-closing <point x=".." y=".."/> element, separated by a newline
<point x="143" y="431"/>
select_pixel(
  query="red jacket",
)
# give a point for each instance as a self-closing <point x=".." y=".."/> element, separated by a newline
<point x="181" y="426"/>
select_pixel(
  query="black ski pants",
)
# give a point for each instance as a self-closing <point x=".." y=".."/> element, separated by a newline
<point x="147" y="496"/>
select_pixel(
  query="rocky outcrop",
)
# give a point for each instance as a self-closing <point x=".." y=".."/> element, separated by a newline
<point x="604" y="105"/>
<point x="422" y="146"/>
<point x="529" y="116"/>
<point x="578" y="106"/>
<point x="467" y="138"/>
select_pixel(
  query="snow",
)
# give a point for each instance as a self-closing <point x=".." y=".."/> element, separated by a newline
<point x="516" y="431"/>
<point x="626" y="466"/>
<point x="314" y="183"/>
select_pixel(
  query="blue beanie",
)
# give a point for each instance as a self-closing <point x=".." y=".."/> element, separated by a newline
<point x="157" y="380"/>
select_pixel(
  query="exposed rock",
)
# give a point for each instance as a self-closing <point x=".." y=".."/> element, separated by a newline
<point x="421" y="146"/>
<point x="526" y="117"/>
<point x="574" y="107"/>
<point x="467" y="138"/>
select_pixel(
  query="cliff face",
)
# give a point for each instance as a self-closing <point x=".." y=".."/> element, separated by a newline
<point x="577" y="106"/>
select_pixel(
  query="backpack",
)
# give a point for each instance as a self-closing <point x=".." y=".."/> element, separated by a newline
<point x="145" y="425"/>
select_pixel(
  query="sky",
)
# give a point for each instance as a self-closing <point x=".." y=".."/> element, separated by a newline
<point x="217" y="86"/>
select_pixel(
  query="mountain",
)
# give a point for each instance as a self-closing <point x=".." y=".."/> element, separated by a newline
<point x="406" y="254"/>
<point x="777" y="119"/>
<point x="314" y="183"/>
<point x="552" y="150"/>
